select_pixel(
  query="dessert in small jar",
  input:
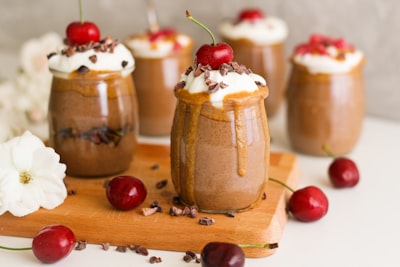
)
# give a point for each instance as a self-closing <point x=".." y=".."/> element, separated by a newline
<point x="161" y="55"/>
<point x="258" y="42"/>
<point x="220" y="138"/>
<point x="93" y="123"/>
<point x="325" y="96"/>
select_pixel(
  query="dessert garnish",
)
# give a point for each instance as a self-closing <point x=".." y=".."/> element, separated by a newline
<point x="251" y="14"/>
<point x="307" y="204"/>
<point x="342" y="171"/>
<point x="214" y="54"/>
<point x="322" y="45"/>
<point x="31" y="176"/>
<point x="82" y="32"/>
<point x="126" y="192"/>
<point x="51" y="244"/>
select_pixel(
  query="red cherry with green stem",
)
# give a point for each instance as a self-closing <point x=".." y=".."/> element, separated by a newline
<point x="251" y="14"/>
<point x="307" y="204"/>
<point x="82" y="32"/>
<point x="214" y="54"/>
<point x="126" y="192"/>
<point x="51" y="244"/>
<point x="342" y="171"/>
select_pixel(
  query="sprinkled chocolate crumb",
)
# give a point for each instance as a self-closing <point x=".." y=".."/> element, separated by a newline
<point x="190" y="256"/>
<point x="81" y="245"/>
<point x="105" y="246"/>
<point x="225" y="68"/>
<point x="161" y="184"/>
<point x="188" y="70"/>
<point x="51" y="55"/>
<point x="83" y="69"/>
<point x="124" y="63"/>
<point x="258" y="83"/>
<point x="174" y="211"/>
<point x="193" y="212"/>
<point x="156" y="204"/>
<point x="71" y="192"/>
<point x="149" y="211"/>
<point x="133" y="247"/>
<point x="223" y="85"/>
<point x="121" y="249"/>
<point x="180" y="85"/>
<point x="213" y="87"/>
<point x="142" y="251"/>
<point x="206" y="221"/>
<point x="231" y="214"/>
<point x="155" y="166"/>
<point x="154" y="259"/>
<point x="264" y="196"/>
<point x="93" y="59"/>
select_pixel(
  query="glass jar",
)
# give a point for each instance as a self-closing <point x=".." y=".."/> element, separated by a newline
<point x="325" y="109"/>
<point x="155" y="79"/>
<point x="220" y="156"/>
<point x="93" y="121"/>
<point x="268" y="61"/>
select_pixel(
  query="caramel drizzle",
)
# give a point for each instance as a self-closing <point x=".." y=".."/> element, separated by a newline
<point x="241" y="139"/>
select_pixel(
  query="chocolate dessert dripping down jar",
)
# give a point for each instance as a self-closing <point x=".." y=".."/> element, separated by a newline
<point x="258" y="43"/>
<point x="220" y="138"/>
<point x="161" y="57"/>
<point x="325" y="96"/>
<point x="92" y="109"/>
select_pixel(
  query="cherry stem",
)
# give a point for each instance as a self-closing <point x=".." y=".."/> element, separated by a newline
<point x="270" y="245"/>
<point x="15" y="249"/>
<point x="189" y="16"/>
<point x="81" y="12"/>
<point x="281" y="183"/>
<point x="328" y="151"/>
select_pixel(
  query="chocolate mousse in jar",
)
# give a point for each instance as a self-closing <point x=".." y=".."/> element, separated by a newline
<point x="92" y="109"/>
<point x="258" y="42"/>
<point x="161" y="56"/>
<point x="220" y="138"/>
<point x="325" y="97"/>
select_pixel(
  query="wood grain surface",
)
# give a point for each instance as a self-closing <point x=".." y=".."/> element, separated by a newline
<point x="91" y="217"/>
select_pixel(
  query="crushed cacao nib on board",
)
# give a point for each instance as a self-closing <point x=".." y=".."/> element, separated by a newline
<point x="121" y="249"/>
<point x="105" y="246"/>
<point x="207" y="221"/>
<point x="191" y="256"/>
<point x="161" y="184"/>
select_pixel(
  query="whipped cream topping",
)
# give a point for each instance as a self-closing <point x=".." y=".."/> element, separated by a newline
<point x="323" y="54"/>
<point x="111" y="56"/>
<point x="218" y="84"/>
<point x="142" y="46"/>
<point x="267" y="31"/>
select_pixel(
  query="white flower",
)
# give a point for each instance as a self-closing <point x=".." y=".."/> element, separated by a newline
<point x="31" y="176"/>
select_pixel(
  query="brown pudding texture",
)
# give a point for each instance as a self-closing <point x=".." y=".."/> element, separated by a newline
<point x="268" y="61"/>
<point x="155" y="79"/>
<point x="220" y="156"/>
<point x="325" y="109"/>
<point x="93" y="122"/>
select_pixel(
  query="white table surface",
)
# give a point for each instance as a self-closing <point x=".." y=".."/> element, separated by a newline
<point x="360" y="229"/>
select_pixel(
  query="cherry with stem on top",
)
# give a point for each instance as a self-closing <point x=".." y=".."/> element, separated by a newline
<point x="214" y="54"/>
<point x="307" y="204"/>
<point x="82" y="32"/>
<point x="342" y="171"/>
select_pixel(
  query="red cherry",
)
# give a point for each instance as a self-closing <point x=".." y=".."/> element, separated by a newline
<point x="308" y="204"/>
<point x="162" y="33"/>
<point x="52" y="243"/>
<point x="81" y="33"/>
<point x="126" y="192"/>
<point x="343" y="172"/>
<point x="221" y="254"/>
<point x="251" y="14"/>
<point x="212" y="54"/>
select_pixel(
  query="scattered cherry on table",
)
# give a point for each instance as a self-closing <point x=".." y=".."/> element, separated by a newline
<point x="126" y="192"/>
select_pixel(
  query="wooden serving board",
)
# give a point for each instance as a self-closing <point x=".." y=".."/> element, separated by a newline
<point x="91" y="217"/>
